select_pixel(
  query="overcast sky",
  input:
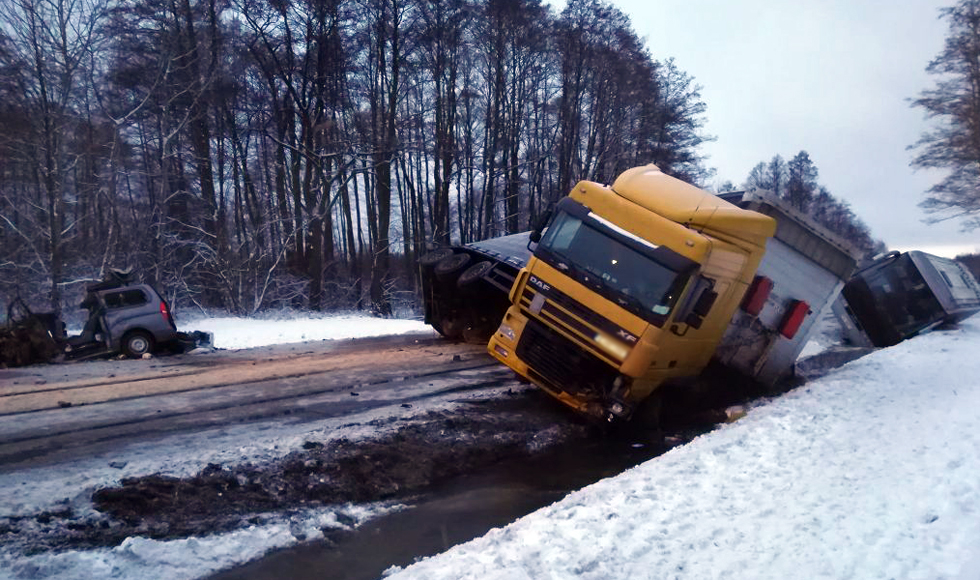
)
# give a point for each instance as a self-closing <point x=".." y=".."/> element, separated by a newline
<point x="832" y="77"/>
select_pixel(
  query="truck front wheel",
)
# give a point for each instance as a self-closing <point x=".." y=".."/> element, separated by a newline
<point x="136" y="343"/>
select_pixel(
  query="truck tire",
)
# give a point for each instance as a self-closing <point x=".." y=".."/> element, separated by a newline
<point x="451" y="328"/>
<point x="451" y="265"/>
<point x="646" y="423"/>
<point x="136" y="343"/>
<point x="474" y="273"/>
<point x="434" y="257"/>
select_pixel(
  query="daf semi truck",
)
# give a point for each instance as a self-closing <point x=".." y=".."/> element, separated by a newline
<point x="634" y="285"/>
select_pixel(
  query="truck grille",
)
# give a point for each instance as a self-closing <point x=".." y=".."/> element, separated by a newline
<point x="576" y="322"/>
<point x="561" y="364"/>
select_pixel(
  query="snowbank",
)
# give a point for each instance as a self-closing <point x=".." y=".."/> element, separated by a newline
<point x="235" y="332"/>
<point x="191" y="557"/>
<point x="871" y="472"/>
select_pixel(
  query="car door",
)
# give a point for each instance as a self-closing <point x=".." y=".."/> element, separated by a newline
<point x="124" y="309"/>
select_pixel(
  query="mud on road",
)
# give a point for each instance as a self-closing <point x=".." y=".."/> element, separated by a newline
<point x="428" y="450"/>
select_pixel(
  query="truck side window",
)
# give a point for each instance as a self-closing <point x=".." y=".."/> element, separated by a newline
<point x="564" y="234"/>
<point x="125" y="298"/>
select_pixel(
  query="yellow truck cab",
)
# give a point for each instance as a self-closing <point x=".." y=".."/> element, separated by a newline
<point x="635" y="284"/>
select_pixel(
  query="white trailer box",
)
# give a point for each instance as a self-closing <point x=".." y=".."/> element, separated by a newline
<point x="805" y="267"/>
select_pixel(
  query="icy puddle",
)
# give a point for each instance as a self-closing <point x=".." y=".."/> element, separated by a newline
<point x="451" y="514"/>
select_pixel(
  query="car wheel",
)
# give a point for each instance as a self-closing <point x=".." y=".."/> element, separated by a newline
<point x="137" y="343"/>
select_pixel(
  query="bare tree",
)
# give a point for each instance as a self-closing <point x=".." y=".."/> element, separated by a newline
<point x="444" y="23"/>
<point x="247" y="153"/>
<point x="387" y="20"/>
<point x="679" y="124"/>
<point x="51" y="42"/>
<point x="770" y="176"/>
<point x="953" y="105"/>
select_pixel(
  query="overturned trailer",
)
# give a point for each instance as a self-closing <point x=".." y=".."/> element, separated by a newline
<point x="465" y="288"/>
<point x="903" y="294"/>
<point x="642" y="283"/>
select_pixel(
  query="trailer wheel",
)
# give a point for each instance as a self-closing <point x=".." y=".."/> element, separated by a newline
<point x="451" y="265"/>
<point x="434" y="257"/>
<point x="474" y="273"/>
<point x="136" y="343"/>
<point x="451" y="328"/>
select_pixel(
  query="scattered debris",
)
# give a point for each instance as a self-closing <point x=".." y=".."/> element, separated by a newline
<point x="37" y="337"/>
<point x="29" y="337"/>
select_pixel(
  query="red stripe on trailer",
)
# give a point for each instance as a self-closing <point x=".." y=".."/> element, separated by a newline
<point x="758" y="293"/>
<point x="793" y="318"/>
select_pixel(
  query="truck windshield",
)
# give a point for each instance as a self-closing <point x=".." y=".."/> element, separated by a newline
<point x="614" y="265"/>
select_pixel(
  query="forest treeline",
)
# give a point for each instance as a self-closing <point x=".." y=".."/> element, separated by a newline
<point x="245" y="154"/>
<point x="797" y="182"/>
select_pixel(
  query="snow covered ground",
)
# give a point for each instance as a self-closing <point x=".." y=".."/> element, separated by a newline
<point x="871" y="472"/>
<point x="70" y="485"/>
<point x="143" y="558"/>
<point x="236" y="332"/>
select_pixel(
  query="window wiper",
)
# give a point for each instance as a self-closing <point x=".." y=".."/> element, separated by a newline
<point x="597" y="283"/>
<point x="559" y="262"/>
<point x="629" y="302"/>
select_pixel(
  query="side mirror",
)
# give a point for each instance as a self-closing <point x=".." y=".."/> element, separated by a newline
<point x="701" y="308"/>
<point x="705" y="301"/>
<point x="539" y="225"/>
<point x="698" y="303"/>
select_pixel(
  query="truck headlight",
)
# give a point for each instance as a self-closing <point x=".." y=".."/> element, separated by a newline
<point x="618" y="410"/>
<point x="507" y="331"/>
<point x="613" y="346"/>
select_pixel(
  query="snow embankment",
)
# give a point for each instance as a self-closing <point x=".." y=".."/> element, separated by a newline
<point x="870" y="472"/>
<point x="231" y="332"/>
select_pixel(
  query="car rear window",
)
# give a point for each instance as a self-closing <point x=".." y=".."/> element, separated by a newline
<point x="134" y="297"/>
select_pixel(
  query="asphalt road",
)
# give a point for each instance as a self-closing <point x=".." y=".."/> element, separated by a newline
<point x="58" y="411"/>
